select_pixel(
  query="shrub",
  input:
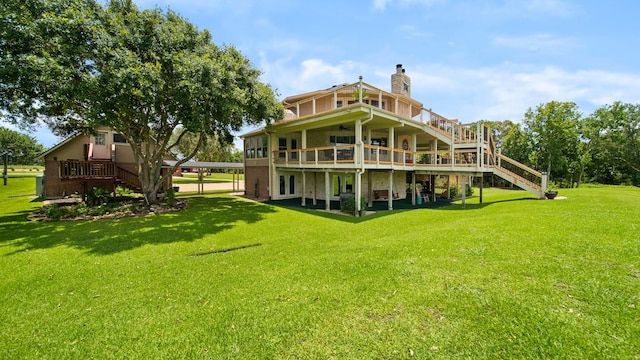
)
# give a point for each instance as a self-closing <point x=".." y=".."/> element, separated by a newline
<point x="55" y="212"/>
<point x="170" y="197"/>
<point x="469" y="191"/>
<point x="97" y="196"/>
<point x="348" y="204"/>
<point x="120" y="191"/>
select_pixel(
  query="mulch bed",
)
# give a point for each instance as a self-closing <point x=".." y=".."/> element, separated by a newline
<point x="114" y="210"/>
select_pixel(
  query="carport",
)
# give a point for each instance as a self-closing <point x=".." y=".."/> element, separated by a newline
<point x="203" y="166"/>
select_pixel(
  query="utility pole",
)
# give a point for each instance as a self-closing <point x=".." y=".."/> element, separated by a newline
<point x="5" y="155"/>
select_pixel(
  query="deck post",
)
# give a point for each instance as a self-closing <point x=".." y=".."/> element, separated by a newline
<point x="327" y="191"/>
<point x="369" y="189"/>
<point x="390" y="196"/>
<point x="358" y="193"/>
<point x="481" y="186"/>
<point x="304" y="189"/>
<point x="315" y="189"/>
<point x="464" y="192"/>
<point x="413" y="188"/>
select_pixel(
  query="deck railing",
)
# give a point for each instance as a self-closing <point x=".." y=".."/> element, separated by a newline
<point x="76" y="169"/>
<point x="373" y="154"/>
<point x="129" y="177"/>
<point x="525" y="173"/>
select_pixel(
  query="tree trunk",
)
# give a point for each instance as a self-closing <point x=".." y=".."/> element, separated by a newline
<point x="150" y="180"/>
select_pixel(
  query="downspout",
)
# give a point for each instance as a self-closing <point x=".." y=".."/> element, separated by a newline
<point x="361" y="170"/>
<point x="361" y="153"/>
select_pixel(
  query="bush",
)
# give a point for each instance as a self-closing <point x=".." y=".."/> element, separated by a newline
<point x="97" y="196"/>
<point x="170" y="197"/>
<point x="348" y="204"/>
<point x="120" y="191"/>
<point x="454" y="192"/>
<point x="55" y="212"/>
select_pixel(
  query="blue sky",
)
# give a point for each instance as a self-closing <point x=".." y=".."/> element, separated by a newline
<point x="467" y="59"/>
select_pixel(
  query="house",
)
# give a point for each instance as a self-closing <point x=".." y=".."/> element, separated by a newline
<point x="377" y="145"/>
<point x="81" y="162"/>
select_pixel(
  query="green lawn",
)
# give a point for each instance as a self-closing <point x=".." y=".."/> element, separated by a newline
<point x="192" y="178"/>
<point x="229" y="278"/>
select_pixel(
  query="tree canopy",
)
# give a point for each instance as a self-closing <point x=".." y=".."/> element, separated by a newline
<point x="77" y="65"/>
<point x="603" y="147"/>
<point x="23" y="149"/>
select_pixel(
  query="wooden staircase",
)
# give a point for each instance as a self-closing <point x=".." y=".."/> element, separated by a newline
<point x="470" y="136"/>
<point x="128" y="179"/>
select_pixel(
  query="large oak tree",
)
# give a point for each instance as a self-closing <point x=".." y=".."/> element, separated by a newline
<point x="77" y="65"/>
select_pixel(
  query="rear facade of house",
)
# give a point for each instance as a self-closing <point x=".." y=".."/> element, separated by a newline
<point x="378" y="146"/>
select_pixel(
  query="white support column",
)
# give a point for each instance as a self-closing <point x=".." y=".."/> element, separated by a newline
<point x="480" y="144"/>
<point x="315" y="188"/>
<point x="413" y="188"/>
<point x="327" y="191"/>
<point x="303" y="145"/>
<point x="464" y="192"/>
<point x="414" y="148"/>
<point x="391" y="144"/>
<point x="435" y="149"/>
<point x="358" y="193"/>
<point x="358" y="150"/>
<point x="390" y="191"/>
<point x="304" y="189"/>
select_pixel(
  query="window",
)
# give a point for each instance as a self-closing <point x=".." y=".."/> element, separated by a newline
<point x="100" y="139"/>
<point x="282" y="146"/>
<point x="256" y="147"/>
<point x="117" y="138"/>
<point x="265" y="146"/>
<point x="341" y="140"/>
<point x="338" y="104"/>
<point x="294" y="146"/>
<point x="336" y="185"/>
<point x="283" y="185"/>
<point x="348" y="183"/>
<point x="259" y="152"/>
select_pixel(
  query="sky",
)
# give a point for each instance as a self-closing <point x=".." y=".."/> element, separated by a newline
<point x="467" y="59"/>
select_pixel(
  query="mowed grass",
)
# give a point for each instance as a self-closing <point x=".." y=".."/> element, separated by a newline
<point x="230" y="278"/>
<point x="192" y="178"/>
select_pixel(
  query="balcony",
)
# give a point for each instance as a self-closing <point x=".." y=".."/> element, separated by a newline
<point x="81" y="170"/>
<point x="353" y="156"/>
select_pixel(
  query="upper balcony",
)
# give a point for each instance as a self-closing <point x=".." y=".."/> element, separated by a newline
<point x="353" y="156"/>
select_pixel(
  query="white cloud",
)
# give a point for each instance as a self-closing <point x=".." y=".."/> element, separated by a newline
<point x="554" y="7"/>
<point x="535" y="42"/>
<point x="382" y="4"/>
<point x="499" y="93"/>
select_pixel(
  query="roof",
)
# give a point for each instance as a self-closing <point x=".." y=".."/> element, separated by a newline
<point x="58" y="145"/>
<point x="205" y="165"/>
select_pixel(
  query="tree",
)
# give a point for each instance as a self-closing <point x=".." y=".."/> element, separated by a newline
<point x="142" y="73"/>
<point x="516" y="145"/>
<point x="23" y="149"/>
<point x="617" y="128"/>
<point x="552" y="129"/>
<point x="211" y="148"/>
